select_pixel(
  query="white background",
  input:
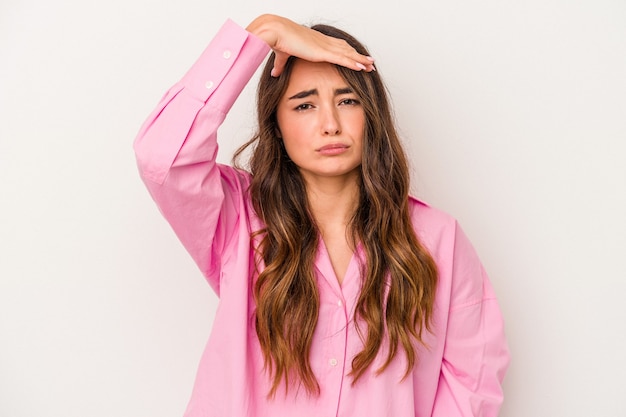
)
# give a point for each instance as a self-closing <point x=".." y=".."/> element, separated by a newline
<point x="514" y="114"/>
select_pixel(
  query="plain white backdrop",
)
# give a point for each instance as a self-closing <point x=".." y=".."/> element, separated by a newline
<point x="514" y="115"/>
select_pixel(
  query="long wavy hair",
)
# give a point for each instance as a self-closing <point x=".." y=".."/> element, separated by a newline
<point x="399" y="276"/>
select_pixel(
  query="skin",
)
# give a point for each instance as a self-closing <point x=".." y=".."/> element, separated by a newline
<point x="321" y="124"/>
<point x="288" y="38"/>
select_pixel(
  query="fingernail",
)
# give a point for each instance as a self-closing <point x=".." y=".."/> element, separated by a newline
<point x="273" y="72"/>
<point x="359" y="65"/>
<point x="370" y="58"/>
<point x="373" y="67"/>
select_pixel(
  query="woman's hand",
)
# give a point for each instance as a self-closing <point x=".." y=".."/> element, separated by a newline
<point x="288" y="38"/>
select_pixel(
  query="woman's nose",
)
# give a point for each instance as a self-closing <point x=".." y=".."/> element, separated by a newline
<point x="330" y="122"/>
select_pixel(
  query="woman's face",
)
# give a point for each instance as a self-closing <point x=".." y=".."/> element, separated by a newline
<point x="321" y="121"/>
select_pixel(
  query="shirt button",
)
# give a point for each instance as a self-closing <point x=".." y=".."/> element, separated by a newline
<point x="339" y="303"/>
<point x="332" y="362"/>
<point x="226" y="54"/>
<point x="209" y="85"/>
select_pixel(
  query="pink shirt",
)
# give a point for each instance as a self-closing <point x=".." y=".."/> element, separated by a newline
<point x="207" y="206"/>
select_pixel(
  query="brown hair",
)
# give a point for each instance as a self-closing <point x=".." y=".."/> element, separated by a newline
<point x="399" y="276"/>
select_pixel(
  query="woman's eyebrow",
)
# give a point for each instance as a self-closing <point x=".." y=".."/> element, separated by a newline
<point x="342" y="91"/>
<point x="304" y="94"/>
<point x="314" y="92"/>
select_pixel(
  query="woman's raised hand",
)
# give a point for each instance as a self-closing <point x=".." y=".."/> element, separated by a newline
<point x="288" y="38"/>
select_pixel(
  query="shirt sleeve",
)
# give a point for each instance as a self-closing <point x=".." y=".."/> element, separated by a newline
<point x="177" y="145"/>
<point x="476" y="354"/>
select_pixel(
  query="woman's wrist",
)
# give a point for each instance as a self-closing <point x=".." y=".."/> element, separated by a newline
<point x="263" y="27"/>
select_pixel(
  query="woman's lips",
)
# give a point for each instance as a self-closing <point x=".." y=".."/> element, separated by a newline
<point x="333" y="149"/>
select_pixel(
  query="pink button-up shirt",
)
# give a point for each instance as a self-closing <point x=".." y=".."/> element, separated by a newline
<point x="206" y="203"/>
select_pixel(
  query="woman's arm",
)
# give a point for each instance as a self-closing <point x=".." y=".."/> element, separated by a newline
<point x="177" y="145"/>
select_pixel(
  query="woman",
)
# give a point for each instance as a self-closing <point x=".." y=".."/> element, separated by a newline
<point x="340" y="295"/>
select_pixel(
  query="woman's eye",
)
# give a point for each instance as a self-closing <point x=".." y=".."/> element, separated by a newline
<point x="304" y="106"/>
<point x="350" y="102"/>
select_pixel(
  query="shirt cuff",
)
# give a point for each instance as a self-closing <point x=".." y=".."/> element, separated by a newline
<point x="232" y="43"/>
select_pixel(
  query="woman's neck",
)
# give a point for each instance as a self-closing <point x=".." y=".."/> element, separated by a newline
<point x="333" y="200"/>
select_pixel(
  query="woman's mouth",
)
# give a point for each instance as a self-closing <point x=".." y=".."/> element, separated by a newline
<point x="333" y="149"/>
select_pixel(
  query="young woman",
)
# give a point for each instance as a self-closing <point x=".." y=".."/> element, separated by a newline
<point x="340" y="295"/>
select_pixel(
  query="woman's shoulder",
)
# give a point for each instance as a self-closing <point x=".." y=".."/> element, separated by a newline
<point x="432" y="224"/>
<point x="423" y="213"/>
